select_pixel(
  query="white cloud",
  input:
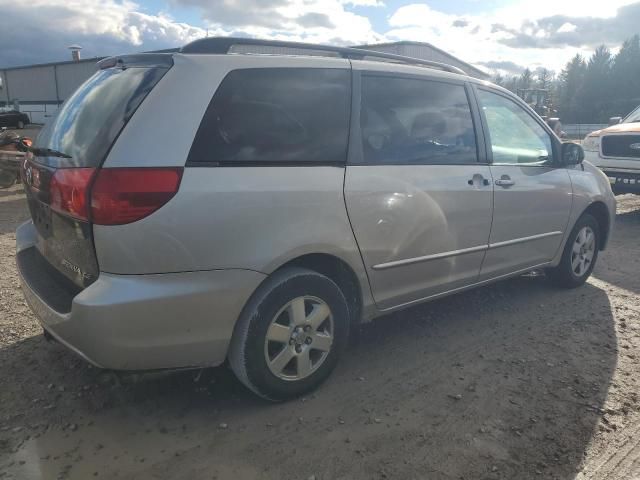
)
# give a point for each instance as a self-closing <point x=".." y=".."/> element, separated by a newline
<point x="40" y="30"/>
<point x="321" y="21"/>
<point x="567" y="27"/>
<point x="545" y="36"/>
<point x="363" y="3"/>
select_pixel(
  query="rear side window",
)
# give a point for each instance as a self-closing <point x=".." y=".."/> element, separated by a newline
<point x="276" y="115"/>
<point x="414" y="121"/>
<point x="91" y="119"/>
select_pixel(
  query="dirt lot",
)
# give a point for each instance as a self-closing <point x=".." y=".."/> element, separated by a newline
<point x="515" y="380"/>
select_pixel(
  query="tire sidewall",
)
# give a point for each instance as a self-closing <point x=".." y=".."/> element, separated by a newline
<point x="585" y="221"/>
<point x="304" y="284"/>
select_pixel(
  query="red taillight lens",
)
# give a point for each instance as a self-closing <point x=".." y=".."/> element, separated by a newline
<point x="69" y="189"/>
<point x="125" y="195"/>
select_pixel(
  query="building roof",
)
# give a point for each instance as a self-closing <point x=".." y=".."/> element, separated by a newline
<point x="50" y="64"/>
<point x="467" y="65"/>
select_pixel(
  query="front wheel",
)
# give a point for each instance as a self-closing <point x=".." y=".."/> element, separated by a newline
<point x="580" y="254"/>
<point x="290" y="335"/>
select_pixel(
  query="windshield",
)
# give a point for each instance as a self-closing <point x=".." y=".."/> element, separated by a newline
<point x="633" y="116"/>
<point x="89" y="122"/>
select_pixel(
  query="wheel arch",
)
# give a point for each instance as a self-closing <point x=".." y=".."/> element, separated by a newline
<point x="340" y="272"/>
<point x="600" y="212"/>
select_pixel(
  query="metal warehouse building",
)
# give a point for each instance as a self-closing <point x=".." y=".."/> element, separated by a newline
<point x="39" y="90"/>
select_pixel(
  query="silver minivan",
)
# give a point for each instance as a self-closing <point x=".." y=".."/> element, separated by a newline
<point x="212" y="204"/>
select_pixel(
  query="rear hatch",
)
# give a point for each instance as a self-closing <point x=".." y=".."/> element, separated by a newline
<point x="69" y="152"/>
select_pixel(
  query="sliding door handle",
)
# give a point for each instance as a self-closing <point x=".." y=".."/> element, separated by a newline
<point x="505" y="182"/>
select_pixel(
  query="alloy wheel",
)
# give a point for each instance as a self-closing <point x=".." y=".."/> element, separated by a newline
<point x="583" y="251"/>
<point x="299" y="338"/>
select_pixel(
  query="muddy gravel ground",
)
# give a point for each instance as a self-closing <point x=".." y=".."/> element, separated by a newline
<point x="516" y="380"/>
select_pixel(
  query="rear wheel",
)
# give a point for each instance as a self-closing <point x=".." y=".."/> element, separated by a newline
<point x="290" y="335"/>
<point x="580" y="254"/>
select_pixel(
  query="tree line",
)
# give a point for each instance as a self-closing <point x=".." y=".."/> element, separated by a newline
<point x="587" y="90"/>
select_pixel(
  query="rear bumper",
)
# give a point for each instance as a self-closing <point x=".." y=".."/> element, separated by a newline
<point x="141" y="322"/>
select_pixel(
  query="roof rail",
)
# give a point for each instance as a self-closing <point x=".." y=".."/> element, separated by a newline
<point x="222" y="45"/>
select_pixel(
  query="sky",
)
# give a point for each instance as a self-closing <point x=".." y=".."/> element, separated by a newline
<point x="496" y="35"/>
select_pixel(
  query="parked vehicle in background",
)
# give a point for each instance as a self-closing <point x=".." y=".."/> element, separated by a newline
<point x="616" y="150"/>
<point x="13" y="119"/>
<point x="297" y="197"/>
<point x="11" y="158"/>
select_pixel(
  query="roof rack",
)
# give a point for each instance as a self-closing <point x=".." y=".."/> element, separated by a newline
<point x="223" y="45"/>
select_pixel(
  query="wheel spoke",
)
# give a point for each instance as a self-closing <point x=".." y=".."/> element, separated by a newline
<point x="278" y="333"/>
<point x="580" y="268"/>
<point x="581" y="236"/>
<point x="282" y="359"/>
<point x="303" y="363"/>
<point x="576" y="247"/>
<point x="322" y="342"/>
<point x="318" y="315"/>
<point x="575" y="263"/>
<point x="591" y="240"/>
<point x="297" y="311"/>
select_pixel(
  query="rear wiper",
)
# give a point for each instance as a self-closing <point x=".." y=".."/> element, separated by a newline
<point x="46" y="152"/>
<point x="23" y="146"/>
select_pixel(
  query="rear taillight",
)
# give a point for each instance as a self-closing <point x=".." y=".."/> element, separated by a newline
<point x="125" y="195"/>
<point x="69" y="190"/>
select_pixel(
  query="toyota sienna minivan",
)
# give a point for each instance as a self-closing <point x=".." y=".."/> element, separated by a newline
<point x="215" y="204"/>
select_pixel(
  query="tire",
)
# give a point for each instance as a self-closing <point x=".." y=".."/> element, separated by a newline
<point x="271" y="353"/>
<point x="7" y="178"/>
<point x="574" y="269"/>
<point x="20" y="125"/>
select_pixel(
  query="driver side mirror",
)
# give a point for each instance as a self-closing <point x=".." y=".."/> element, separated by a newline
<point x="615" y="120"/>
<point x="572" y="154"/>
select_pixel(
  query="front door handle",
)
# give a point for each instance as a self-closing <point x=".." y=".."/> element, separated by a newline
<point x="505" y="181"/>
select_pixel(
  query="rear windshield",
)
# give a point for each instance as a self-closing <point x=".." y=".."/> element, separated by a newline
<point x="90" y="120"/>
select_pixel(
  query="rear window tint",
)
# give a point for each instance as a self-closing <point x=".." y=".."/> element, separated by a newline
<point x="411" y="121"/>
<point x="276" y="115"/>
<point x="90" y="120"/>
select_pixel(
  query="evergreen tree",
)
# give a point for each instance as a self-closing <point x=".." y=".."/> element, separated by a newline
<point x="571" y="81"/>
<point x="625" y="78"/>
<point x="594" y="98"/>
<point x="588" y="92"/>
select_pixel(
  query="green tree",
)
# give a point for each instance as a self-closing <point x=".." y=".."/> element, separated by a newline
<point x="594" y="98"/>
<point x="625" y="78"/>
<point x="570" y="82"/>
